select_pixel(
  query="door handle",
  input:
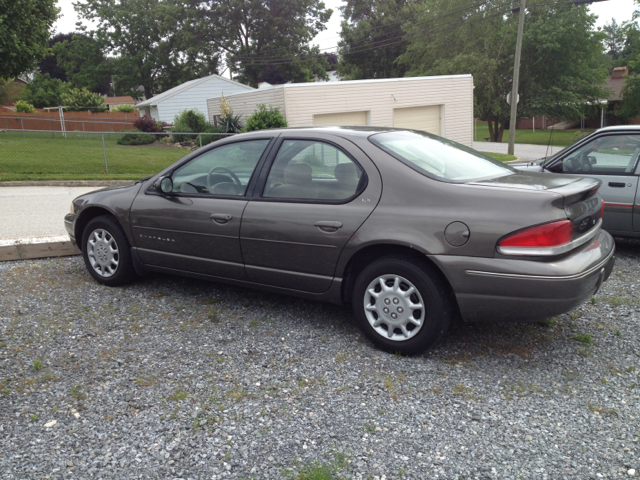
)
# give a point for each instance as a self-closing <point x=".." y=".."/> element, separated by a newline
<point x="328" y="226"/>
<point x="616" y="184"/>
<point x="220" y="217"/>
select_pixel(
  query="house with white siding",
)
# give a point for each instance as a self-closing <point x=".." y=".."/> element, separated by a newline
<point x="191" y="95"/>
<point x="442" y="105"/>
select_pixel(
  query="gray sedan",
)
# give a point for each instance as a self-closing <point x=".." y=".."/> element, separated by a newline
<point x="610" y="155"/>
<point x="409" y="228"/>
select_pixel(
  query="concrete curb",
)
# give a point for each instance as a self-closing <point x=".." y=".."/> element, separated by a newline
<point x="67" y="183"/>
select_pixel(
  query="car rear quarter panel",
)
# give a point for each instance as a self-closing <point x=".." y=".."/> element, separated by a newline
<point x="414" y="211"/>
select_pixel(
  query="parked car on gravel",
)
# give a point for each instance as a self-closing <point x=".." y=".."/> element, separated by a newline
<point x="610" y="155"/>
<point x="407" y="227"/>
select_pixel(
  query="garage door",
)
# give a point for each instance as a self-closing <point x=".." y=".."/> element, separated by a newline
<point x="343" y="119"/>
<point x="418" y="118"/>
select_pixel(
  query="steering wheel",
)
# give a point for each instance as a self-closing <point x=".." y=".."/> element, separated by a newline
<point x="573" y="164"/>
<point x="586" y="163"/>
<point x="225" y="170"/>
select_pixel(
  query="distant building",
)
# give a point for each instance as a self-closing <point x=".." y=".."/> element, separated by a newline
<point x="115" y="102"/>
<point x="191" y="95"/>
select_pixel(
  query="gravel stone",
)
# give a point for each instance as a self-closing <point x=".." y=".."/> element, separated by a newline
<point x="176" y="378"/>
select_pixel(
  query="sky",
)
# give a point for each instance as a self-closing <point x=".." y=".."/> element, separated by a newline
<point x="621" y="10"/>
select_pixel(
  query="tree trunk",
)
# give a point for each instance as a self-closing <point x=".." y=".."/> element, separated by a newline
<point x="496" y="128"/>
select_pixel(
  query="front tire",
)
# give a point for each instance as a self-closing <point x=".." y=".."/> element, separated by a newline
<point x="401" y="305"/>
<point x="106" y="252"/>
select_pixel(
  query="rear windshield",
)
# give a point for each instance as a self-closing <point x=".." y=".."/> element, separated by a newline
<point x="439" y="158"/>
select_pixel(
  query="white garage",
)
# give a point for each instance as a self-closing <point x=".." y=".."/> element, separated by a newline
<point x="442" y="105"/>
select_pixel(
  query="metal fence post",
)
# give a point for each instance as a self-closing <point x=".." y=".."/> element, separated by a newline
<point x="85" y="135"/>
<point x="53" y="135"/>
<point x="22" y="125"/>
<point x="200" y="139"/>
<point x="104" y="150"/>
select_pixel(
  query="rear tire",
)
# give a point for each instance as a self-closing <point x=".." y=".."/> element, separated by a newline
<point x="401" y="305"/>
<point x="107" y="252"/>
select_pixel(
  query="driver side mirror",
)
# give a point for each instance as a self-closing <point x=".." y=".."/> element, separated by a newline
<point x="166" y="185"/>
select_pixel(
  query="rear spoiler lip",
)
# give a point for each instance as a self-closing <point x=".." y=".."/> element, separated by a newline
<point x="579" y="190"/>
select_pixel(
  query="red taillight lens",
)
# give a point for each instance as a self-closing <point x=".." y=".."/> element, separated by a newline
<point x="601" y="208"/>
<point x="547" y="235"/>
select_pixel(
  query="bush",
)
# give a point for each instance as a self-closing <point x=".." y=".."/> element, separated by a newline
<point x="264" y="118"/>
<point x="230" y="124"/>
<point x="135" y="137"/>
<point x="190" y="121"/>
<point x="125" y="109"/>
<point x="148" y="124"/>
<point x="80" y="99"/>
<point x="44" y="91"/>
<point x="24" y="107"/>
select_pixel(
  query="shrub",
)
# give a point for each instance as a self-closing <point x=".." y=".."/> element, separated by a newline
<point x="135" y="137"/>
<point x="79" y="99"/>
<point x="148" y="124"/>
<point x="230" y="124"/>
<point x="189" y="121"/>
<point x="44" y="91"/>
<point x="125" y="108"/>
<point x="24" y="107"/>
<point x="264" y="118"/>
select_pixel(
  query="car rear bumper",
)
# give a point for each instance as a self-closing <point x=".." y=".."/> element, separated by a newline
<point x="525" y="290"/>
<point x="69" y="225"/>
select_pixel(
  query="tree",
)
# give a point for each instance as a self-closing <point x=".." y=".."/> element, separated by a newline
<point x="81" y="99"/>
<point x="367" y="28"/>
<point x="49" y="64"/>
<point x="630" y="99"/>
<point x="561" y="69"/>
<point x="615" y="39"/>
<point x="24" y="31"/>
<point x="257" y="35"/>
<point x="84" y="63"/>
<point x="150" y="41"/>
<point x="44" y="91"/>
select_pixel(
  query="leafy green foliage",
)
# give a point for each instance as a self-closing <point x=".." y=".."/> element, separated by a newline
<point x="630" y="96"/>
<point x="44" y="91"/>
<point x="24" y="107"/>
<point x="561" y="69"/>
<point x="80" y="99"/>
<point x="84" y="63"/>
<point x="24" y="31"/>
<point x="149" y="43"/>
<point x="125" y="108"/>
<point x="192" y="121"/>
<point x="257" y="35"/>
<point x="367" y="22"/>
<point x="135" y="137"/>
<point x="264" y="118"/>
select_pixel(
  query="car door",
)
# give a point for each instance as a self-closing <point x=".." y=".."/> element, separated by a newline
<point x="313" y="195"/>
<point x="196" y="227"/>
<point x="612" y="158"/>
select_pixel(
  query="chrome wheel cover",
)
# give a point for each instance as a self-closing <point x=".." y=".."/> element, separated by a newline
<point x="103" y="253"/>
<point x="394" y="307"/>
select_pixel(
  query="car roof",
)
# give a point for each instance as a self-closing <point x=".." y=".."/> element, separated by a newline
<point x="336" y="130"/>
<point x="619" y="128"/>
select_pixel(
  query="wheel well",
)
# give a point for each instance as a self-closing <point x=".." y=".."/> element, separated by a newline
<point x="364" y="257"/>
<point x="85" y="217"/>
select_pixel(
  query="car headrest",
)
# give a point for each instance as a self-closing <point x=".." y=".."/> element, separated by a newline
<point x="297" y="173"/>
<point x="346" y="173"/>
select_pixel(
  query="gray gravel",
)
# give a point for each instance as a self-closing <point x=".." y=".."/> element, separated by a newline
<point x="175" y="378"/>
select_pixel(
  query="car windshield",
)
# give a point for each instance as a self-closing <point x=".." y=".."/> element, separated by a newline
<point x="438" y="157"/>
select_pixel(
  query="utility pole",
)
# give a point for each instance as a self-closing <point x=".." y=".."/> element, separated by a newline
<point x="516" y="80"/>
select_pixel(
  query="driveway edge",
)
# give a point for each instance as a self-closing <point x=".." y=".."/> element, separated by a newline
<point x="66" y="183"/>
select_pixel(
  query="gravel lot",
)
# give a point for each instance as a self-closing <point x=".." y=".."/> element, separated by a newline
<point x="175" y="378"/>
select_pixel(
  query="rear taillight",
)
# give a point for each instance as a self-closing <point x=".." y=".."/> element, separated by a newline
<point x="601" y="207"/>
<point x="551" y="234"/>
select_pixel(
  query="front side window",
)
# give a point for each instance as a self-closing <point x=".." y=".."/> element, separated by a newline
<point x="225" y="170"/>
<point x="307" y="169"/>
<point x="608" y="155"/>
<point x="439" y="158"/>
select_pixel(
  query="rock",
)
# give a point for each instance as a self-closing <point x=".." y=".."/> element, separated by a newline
<point x="51" y="423"/>
<point x="271" y="459"/>
<point x="631" y="472"/>
<point x="528" y="438"/>
<point x="69" y="463"/>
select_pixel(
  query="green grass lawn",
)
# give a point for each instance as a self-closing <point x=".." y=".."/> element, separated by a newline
<point x="47" y="156"/>
<point x="503" y="157"/>
<point x="561" y="138"/>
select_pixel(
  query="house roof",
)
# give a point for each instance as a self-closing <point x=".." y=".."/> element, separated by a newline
<point x="114" y="100"/>
<point x="153" y="101"/>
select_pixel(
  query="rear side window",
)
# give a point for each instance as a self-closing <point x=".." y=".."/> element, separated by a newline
<point x="439" y="158"/>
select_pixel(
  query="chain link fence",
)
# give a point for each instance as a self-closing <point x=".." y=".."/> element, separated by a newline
<point x="55" y="155"/>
